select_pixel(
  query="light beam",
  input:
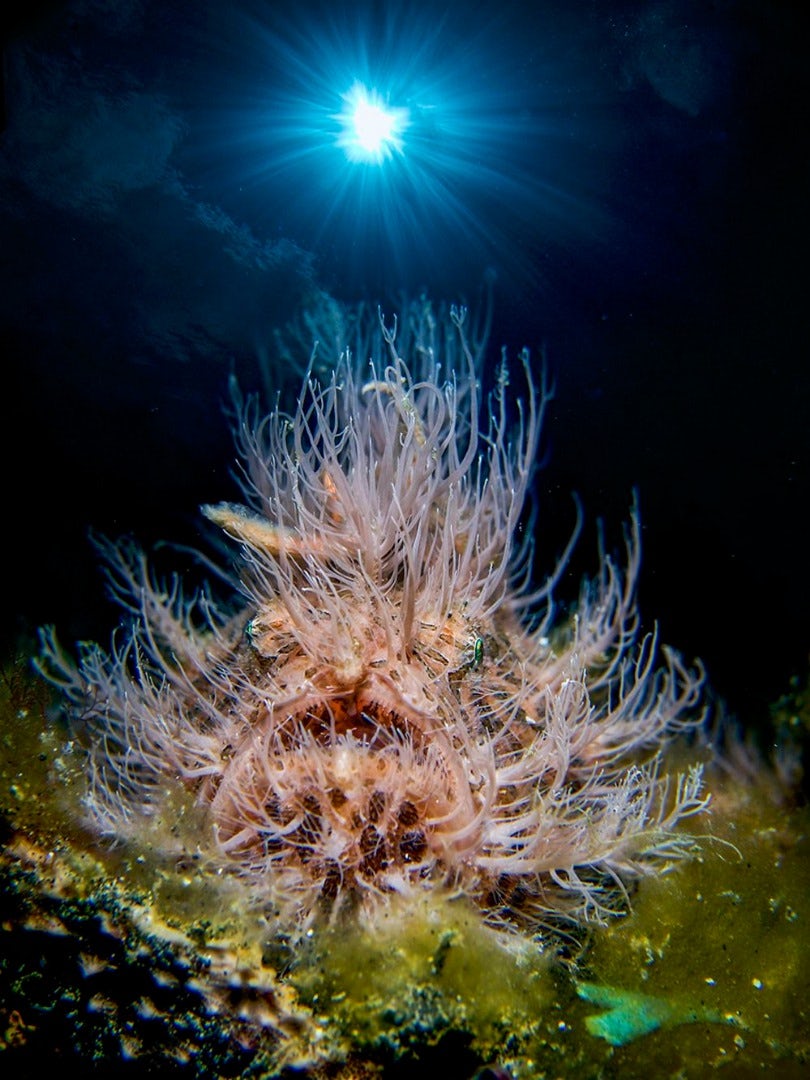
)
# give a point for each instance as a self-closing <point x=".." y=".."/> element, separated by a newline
<point x="369" y="130"/>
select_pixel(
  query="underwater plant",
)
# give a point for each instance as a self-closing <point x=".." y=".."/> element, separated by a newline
<point x="390" y="707"/>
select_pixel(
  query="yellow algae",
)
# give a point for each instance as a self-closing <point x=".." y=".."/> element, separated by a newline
<point x="421" y="968"/>
<point x="728" y="936"/>
<point x="137" y="951"/>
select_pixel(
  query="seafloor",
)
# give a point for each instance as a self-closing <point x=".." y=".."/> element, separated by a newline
<point x="117" y="960"/>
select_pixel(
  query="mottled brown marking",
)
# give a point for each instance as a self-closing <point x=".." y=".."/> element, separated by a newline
<point x="407" y="814"/>
<point x="272" y="843"/>
<point x="413" y="845"/>
<point x="373" y="848"/>
<point x="376" y="807"/>
<point x="332" y="878"/>
<point x="308" y="832"/>
<point x="277" y="813"/>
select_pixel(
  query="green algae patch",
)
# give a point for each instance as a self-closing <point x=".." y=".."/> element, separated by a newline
<point x="421" y="968"/>
<point x="133" y="951"/>
<point x="790" y="717"/>
<point x="41" y="781"/>
<point x="714" y="955"/>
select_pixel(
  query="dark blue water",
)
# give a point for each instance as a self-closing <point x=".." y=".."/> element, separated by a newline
<point x="632" y="176"/>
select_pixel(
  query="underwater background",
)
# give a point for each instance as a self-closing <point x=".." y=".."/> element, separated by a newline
<point x="633" y="176"/>
<point x="627" y="183"/>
